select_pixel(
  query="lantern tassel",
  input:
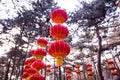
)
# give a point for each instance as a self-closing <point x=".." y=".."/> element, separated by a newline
<point x="59" y="61"/>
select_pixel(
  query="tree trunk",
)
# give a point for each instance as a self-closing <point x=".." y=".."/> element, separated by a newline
<point x="13" y="68"/>
<point x="99" y="54"/>
<point x="7" y="69"/>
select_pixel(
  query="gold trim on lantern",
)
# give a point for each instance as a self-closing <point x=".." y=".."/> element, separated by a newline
<point x="40" y="57"/>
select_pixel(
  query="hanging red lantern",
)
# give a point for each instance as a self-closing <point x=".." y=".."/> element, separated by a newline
<point x="59" y="16"/>
<point x="32" y="52"/>
<point x="31" y="71"/>
<point x="89" y="69"/>
<point x="25" y="76"/>
<point x="40" y="53"/>
<point x="88" y="65"/>
<point x="37" y="77"/>
<point x="78" y="72"/>
<point x="114" y="73"/>
<point x="38" y="64"/>
<point x="56" y="67"/>
<point x="42" y="42"/>
<point x="90" y="74"/>
<point x="48" y="71"/>
<point x="77" y="66"/>
<point x="59" y="32"/>
<point x="112" y="68"/>
<point x="68" y="71"/>
<point x="68" y="76"/>
<point x="110" y="62"/>
<point x="29" y="61"/>
<point x="59" y="50"/>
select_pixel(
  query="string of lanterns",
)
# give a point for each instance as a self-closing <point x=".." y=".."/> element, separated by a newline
<point x="77" y="70"/>
<point x="68" y="72"/>
<point x="59" y="49"/>
<point x="48" y="70"/>
<point x="112" y="67"/>
<point x="34" y="65"/>
<point x="89" y="70"/>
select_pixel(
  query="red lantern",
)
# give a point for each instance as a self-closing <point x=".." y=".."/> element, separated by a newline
<point x="112" y="68"/>
<point x="77" y="66"/>
<point x="88" y="65"/>
<point x="110" y="62"/>
<point x="32" y="52"/>
<point x="68" y="67"/>
<point x="68" y="76"/>
<point x="37" y="77"/>
<point x="59" y="32"/>
<point x="56" y="68"/>
<point x="31" y="71"/>
<point x="48" y="71"/>
<point x="25" y="76"/>
<point x="42" y="42"/>
<point x="114" y="73"/>
<point x="78" y="72"/>
<point x="40" y="53"/>
<point x="89" y="69"/>
<point x="59" y="50"/>
<point x="38" y="65"/>
<point x="59" y="16"/>
<point x="68" y="71"/>
<point x="29" y="61"/>
<point x="26" y="67"/>
<point x="90" y="74"/>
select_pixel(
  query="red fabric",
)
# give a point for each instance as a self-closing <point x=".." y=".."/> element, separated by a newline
<point x="59" y="32"/>
<point x="112" y="68"/>
<point x="59" y="16"/>
<point x="29" y="61"/>
<point x="40" y="52"/>
<point x="68" y="71"/>
<point x="77" y="66"/>
<point x="68" y="76"/>
<point x="37" y="77"/>
<point x="31" y="71"/>
<point x="78" y="72"/>
<point x="114" y="73"/>
<point x="88" y="65"/>
<point x="59" y="48"/>
<point x="42" y="42"/>
<point x="110" y="62"/>
<point x="89" y="69"/>
<point x="38" y="65"/>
